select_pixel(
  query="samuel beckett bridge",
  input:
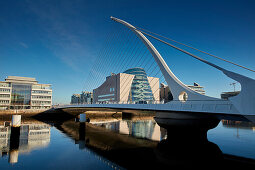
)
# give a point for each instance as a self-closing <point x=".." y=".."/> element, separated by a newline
<point x="133" y="89"/>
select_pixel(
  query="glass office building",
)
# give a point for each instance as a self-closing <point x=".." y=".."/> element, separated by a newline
<point x="24" y="93"/>
<point x="140" y="87"/>
<point x="131" y="86"/>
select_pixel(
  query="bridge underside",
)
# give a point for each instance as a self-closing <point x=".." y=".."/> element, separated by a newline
<point x="76" y="111"/>
<point x="180" y="115"/>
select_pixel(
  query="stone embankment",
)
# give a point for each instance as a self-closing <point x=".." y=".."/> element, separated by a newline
<point x="23" y="112"/>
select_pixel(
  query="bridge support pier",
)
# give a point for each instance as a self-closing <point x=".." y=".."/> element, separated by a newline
<point x="14" y="138"/>
<point x="82" y="130"/>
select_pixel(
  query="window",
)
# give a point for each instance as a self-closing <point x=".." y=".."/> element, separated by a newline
<point x="106" y="95"/>
<point x="21" y="94"/>
<point x="5" y="90"/>
<point x="111" y="89"/>
<point x="4" y="96"/>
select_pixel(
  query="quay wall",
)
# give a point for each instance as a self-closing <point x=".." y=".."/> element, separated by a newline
<point x="23" y="112"/>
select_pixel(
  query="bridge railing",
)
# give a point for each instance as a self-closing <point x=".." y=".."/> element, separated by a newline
<point x="124" y="102"/>
<point x="143" y="102"/>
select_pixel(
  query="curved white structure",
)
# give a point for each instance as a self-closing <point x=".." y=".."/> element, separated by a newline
<point x="185" y="99"/>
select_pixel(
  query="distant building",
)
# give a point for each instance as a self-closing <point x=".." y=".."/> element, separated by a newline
<point x="133" y="86"/>
<point x="165" y="93"/>
<point x="197" y="88"/>
<point x="76" y="99"/>
<point x="83" y="98"/>
<point x="86" y="97"/>
<point x="24" y="93"/>
<point x="226" y="95"/>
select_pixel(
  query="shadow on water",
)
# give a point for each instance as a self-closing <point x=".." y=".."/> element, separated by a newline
<point x="185" y="144"/>
<point x="184" y="147"/>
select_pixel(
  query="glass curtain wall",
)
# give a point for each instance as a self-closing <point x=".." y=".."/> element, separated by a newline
<point x="140" y="89"/>
<point x="21" y="96"/>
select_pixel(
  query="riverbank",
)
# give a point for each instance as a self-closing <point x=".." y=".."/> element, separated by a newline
<point x="23" y="112"/>
<point x="68" y="113"/>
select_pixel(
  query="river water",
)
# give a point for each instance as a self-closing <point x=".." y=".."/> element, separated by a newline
<point x="138" y="142"/>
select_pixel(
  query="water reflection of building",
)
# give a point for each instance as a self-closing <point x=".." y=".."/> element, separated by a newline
<point x="32" y="136"/>
<point x="238" y="124"/>
<point x="148" y="129"/>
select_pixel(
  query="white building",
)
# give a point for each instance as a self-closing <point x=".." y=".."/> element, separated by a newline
<point x="196" y="87"/>
<point x="24" y="93"/>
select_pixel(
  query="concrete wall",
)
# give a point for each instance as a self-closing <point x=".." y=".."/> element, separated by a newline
<point x="125" y="86"/>
<point x="154" y="83"/>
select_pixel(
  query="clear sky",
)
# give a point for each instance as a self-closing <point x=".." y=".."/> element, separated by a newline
<point x="57" y="41"/>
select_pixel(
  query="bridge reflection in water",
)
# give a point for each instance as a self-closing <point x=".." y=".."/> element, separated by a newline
<point x="133" y="143"/>
<point x="147" y="129"/>
<point x="125" y="142"/>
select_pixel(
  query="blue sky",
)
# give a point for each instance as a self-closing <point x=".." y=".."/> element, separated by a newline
<point x="57" y="41"/>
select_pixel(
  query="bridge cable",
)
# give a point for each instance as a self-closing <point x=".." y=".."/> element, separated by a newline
<point x="144" y="31"/>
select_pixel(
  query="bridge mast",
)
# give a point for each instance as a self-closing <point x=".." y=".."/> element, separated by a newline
<point x="176" y="86"/>
<point x="244" y="102"/>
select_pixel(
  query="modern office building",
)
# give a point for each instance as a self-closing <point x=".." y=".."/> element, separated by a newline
<point x="24" y="93"/>
<point x="83" y="98"/>
<point x="133" y="85"/>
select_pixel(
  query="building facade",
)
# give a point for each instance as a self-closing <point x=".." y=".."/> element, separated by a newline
<point x="196" y="87"/>
<point x="166" y="95"/>
<point x="226" y="95"/>
<point x="76" y="99"/>
<point x="83" y="98"/>
<point x="24" y="93"/>
<point x="133" y="86"/>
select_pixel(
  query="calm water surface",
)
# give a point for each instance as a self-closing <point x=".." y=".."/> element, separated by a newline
<point x="112" y="144"/>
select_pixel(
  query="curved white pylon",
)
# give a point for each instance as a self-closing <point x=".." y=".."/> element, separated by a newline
<point x="244" y="102"/>
<point x="175" y="85"/>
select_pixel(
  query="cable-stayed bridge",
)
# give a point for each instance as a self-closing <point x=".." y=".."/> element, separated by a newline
<point x="185" y="99"/>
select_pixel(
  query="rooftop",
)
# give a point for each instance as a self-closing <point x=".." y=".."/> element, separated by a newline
<point x="22" y="80"/>
<point x="16" y="79"/>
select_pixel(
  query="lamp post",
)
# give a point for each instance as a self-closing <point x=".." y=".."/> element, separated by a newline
<point x="234" y="85"/>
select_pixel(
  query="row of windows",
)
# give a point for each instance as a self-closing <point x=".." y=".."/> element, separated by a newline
<point x="4" y="85"/>
<point x="41" y="102"/>
<point x="40" y="107"/>
<point x="38" y="86"/>
<point x="4" y="101"/>
<point x="5" y="90"/>
<point x="105" y="95"/>
<point x="109" y="99"/>
<point x="5" y="95"/>
<point x="38" y="133"/>
<point x="38" y="127"/>
<point x="41" y="92"/>
<point x="41" y="97"/>
<point x="111" y="89"/>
